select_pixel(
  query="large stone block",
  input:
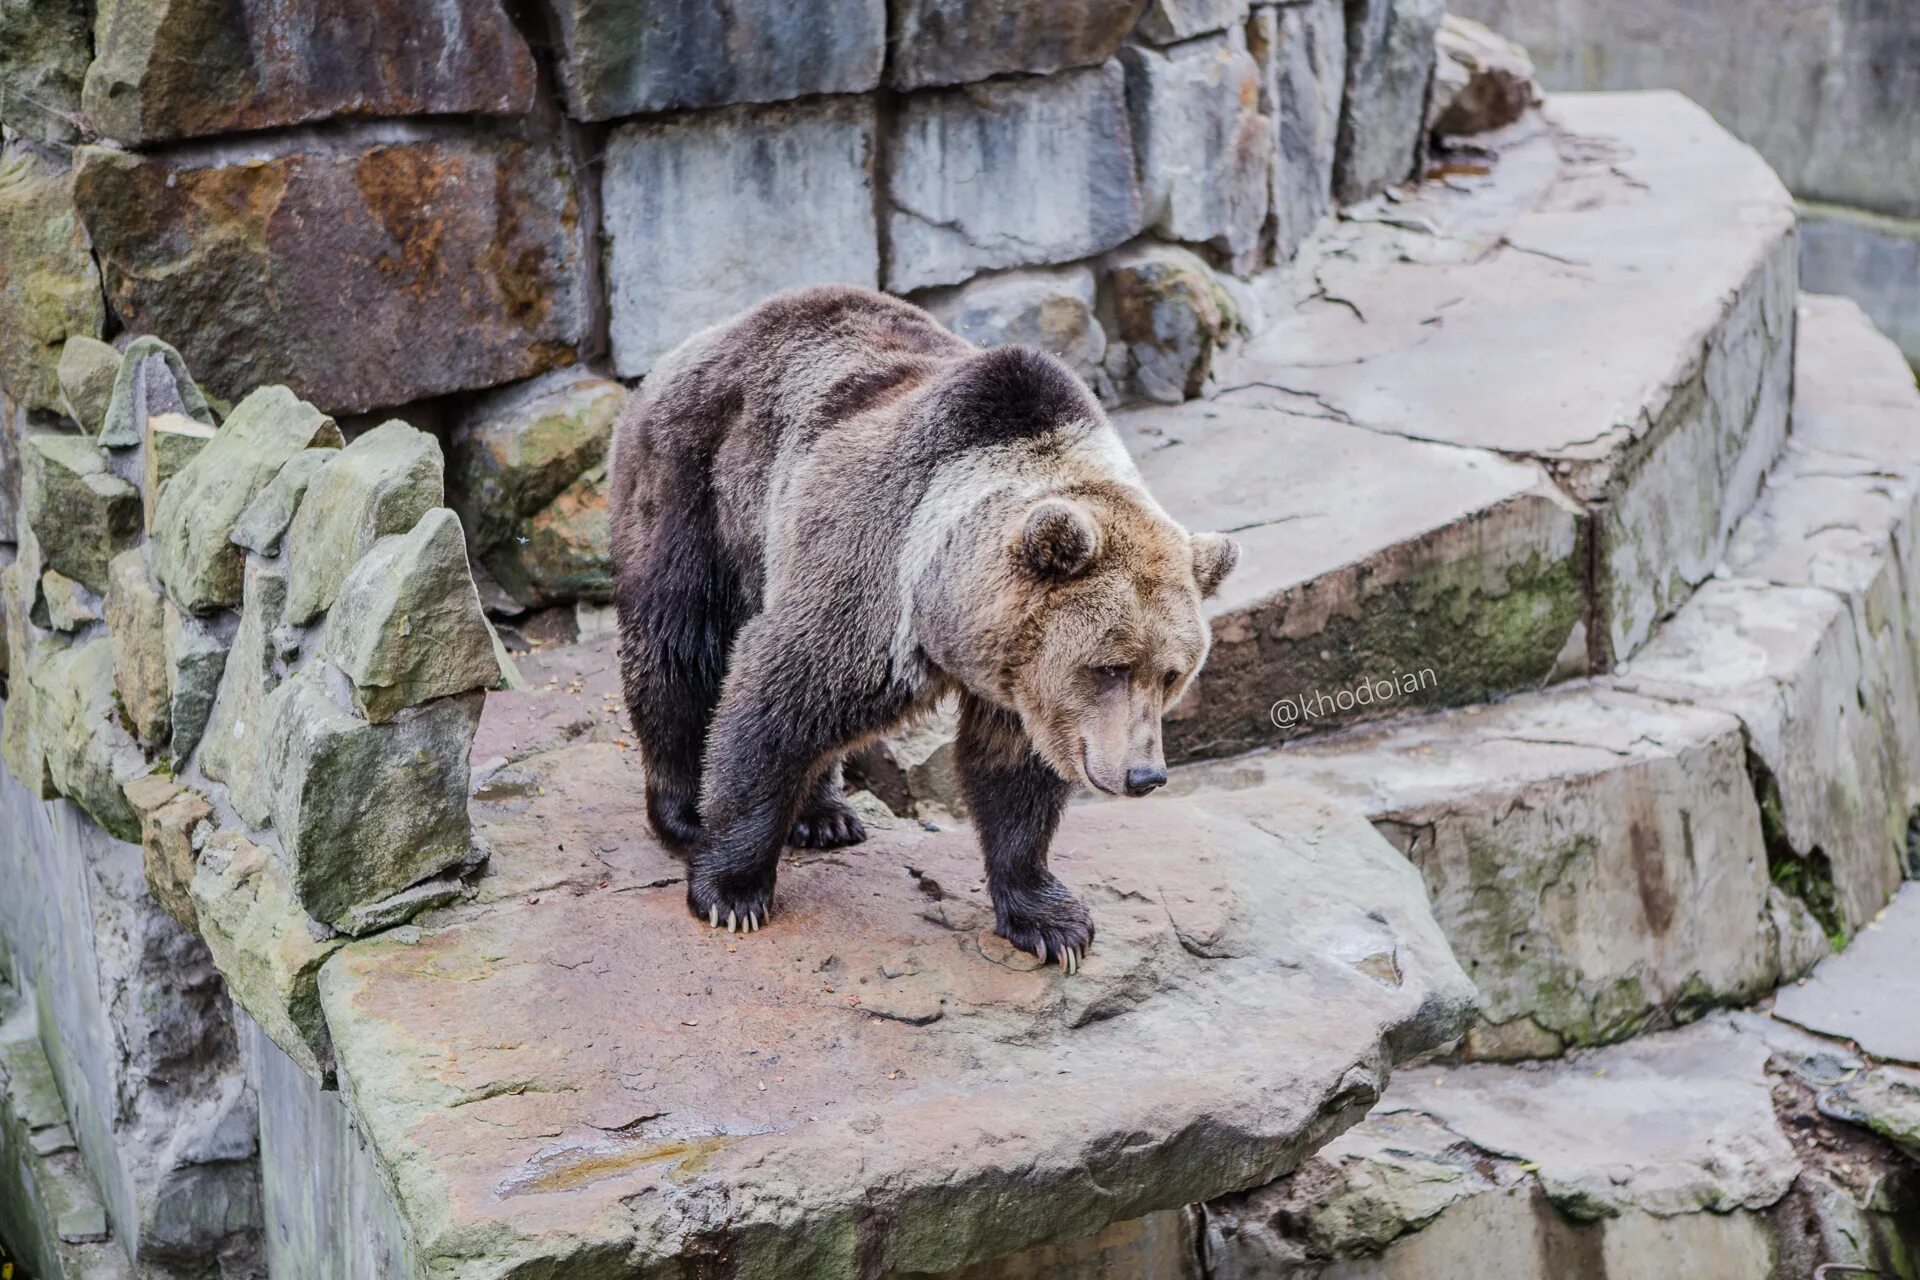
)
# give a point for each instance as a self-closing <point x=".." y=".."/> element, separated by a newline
<point x="233" y="749"/>
<point x="1167" y="21"/>
<point x="137" y="625"/>
<point x="657" y="55"/>
<point x="364" y="810"/>
<point x="564" y="551"/>
<point x="1206" y="150"/>
<point x="165" y="70"/>
<point x="1010" y="173"/>
<point x="408" y="627"/>
<point x="940" y="42"/>
<point x="265" y="946"/>
<point x="1390" y="53"/>
<point x="710" y="213"/>
<point x="89" y="755"/>
<point x="1302" y="51"/>
<point x="43" y="59"/>
<point x="267" y="517"/>
<point x="196" y="658"/>
<point x="1171" y="319"/>
<point x="82" y="514"/>
<point x="49" y="286"/>
<point x="170" y="818"/>
<point x="380" y="484"/>
<point x="396" y="263"/>
<point x="87" y="371"/>
<point x="193" y="524"/>
<point x="172" y="441"/>
<point x="1049" y="308"/>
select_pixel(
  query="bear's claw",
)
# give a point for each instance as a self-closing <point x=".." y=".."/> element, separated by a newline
<point x="832" y="825"/>
<point x="736" y="912"/>
<point x="1052" y="924"/>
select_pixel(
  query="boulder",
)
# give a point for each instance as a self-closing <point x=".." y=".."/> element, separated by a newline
<point x="621" y="61"/>
<point x="170" y="818"/>
<point x="44" y="47"/>
<point x="408" y="627"/>
<point x="82" y="514"/>
<point x="565" y="551"/>
<point x="172" y="70"/>
<point x="265" y="946"/>
<point x="911" y="770"/>
<point x="403" y="263"/>
<point x="172" y="441"/>
<point x="1059" y="156"/>
<point x="1390" y="56"/>
<point x="1167" y="21"/>
<point x="196" y="658"/>
<point x="1205" y="149"/>
<point x="90" y="756"/>
<point x="1302" y="52"/>
<point x="49" y="286"/>
<point x="1047" y="307"/>
<point x="137" y="624"/>
<point x="233" y="749"/>
<point x="701" y="211"/>
<point x="87" y="371"/>
<point x="364" y="810"/>
<point x="1481" y="81"/>
<point x="1172" y="317"/>
<point x="941" y="42"/>
<point x="380" y="484"/>
<point x="265" y="521"/>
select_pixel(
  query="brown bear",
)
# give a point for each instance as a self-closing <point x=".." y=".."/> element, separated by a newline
<point x="828" y="514"/>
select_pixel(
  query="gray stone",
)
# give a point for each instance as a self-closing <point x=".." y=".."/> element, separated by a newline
<point x="362" y="810"/>
<point x="1206" y="151"/>
<point x="172" y="441"/>
<point x="1010" y="173"/>
<point x="408" y="627"/>
<point x="137" y="624"/>
<point x="82" y="514"/>
<point x="171" y="817"/>
<point x="90" y="757"/>
<point x="265" y="946"/>
<point x="44" y="49"/>
<point x="382" y="483"/>
<point x="912" y="769"/>
<point x="1171" y="317"/>
<point x="193" y="524"/>
<point x="264" y="522"/>
<point x="69" y="606"/>
<point x="1869" y="258"/>
<point x="1390" y="53"/>
<point x="233" y="749"/>
<point x="165" y="71"/>
<point x="403" y="906"/>
<point x="20" y="744"/>
<point x="1481" y="81"/>
<point x="196" y="658"/>
<point x="626" y="60"/>
<point x="941" y="42"/>
<point x="1885" y="1100"/>
<point x="1166" y="21"/>
<point x="1049" y="308"/>
<point x="50" y="290"/>
<point x="87" y="371"/>
<point x="152" y="380"/>
<point x="1868" y="992"/>
<point x="701" y="214"/>
<point x="1302" y="52"/>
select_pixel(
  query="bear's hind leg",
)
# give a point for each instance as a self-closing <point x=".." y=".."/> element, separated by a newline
<point x="826" y="820"/>
<point x="1017" y="801"/>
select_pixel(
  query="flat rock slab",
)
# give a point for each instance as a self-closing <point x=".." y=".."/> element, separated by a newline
<point x="574" y="1074"/>
<point x="1869" y="993"/>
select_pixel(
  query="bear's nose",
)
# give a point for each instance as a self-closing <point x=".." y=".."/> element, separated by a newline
<point x="1142" y="780"/>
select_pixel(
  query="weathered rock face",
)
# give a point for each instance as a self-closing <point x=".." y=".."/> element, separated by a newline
<point x="407" y="627"/>
<point x="172" y="441"/>
<point x="87" y="370"/>
<point x="382" y="483"/>
<point x="196" y="658"/>
<point x="170" y="70"/>
<point x="940" y="42"/>
<point x="152" y="380"/>
<point x="90" y="757"/>
<point x="364" y="810"/>
<point x="628" y="59"/>
<point x="265" y="521"/>
<point x="1172" y="317"/>
<point x="1065" y="186"/>
<point x="137" y="624"/>
<point x="49" y="287"/>
<point x="81" y="514"/>
<point x="1302" y="52"/>
<point x="1481" y="81"/>
<point x="1166" y="21"/>
<point x="1863" y="994"/>
<point x="514" y="473"/>
<point x="1053" y="309"/>
<point x="192" y="526"/>
<point x="170" y="822"/>
<point x="234" y="745"/>
<point x="1205" y="149"/>
<point x="378" y="270"/>
<point x="701" y="211"/>
<point x="1390" y="53"/>
<point x="1870" y="259"/>
<point x="43" y="58"/>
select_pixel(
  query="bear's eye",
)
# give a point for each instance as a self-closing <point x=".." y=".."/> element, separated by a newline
<point x="1173" y="678"/>
<point x="1110" y="677"/>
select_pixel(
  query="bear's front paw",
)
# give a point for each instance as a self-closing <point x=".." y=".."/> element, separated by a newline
<point x="732" y="903"/>
<point x="1050" y="922"/>
<point x="829" y="825"/>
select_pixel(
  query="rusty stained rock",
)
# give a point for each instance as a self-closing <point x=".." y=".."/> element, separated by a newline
<point x="406" y="263"/>
<point x="170" y="69"/>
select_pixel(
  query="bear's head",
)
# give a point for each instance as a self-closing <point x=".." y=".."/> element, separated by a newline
<point x="1110" y="631"/>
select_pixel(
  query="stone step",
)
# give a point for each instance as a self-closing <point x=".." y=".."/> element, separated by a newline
<point x="569" y="1068"/>
<point x="1617" y="853"/>
<point x="1736" y="1148"/>
<point x="1499" y="428"/>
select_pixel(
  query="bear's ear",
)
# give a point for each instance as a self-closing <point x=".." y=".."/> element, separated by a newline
<point x="1214" y="556"/>
<point x="1060" y="540"/>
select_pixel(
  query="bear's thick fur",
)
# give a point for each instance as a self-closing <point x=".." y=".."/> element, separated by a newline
<point x="830" y="512"/>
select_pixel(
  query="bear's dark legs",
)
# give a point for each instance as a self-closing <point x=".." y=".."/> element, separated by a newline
<point x="826" y="820"/>
<point x="679" y="610"/>
<point x="1016" y="801"/>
